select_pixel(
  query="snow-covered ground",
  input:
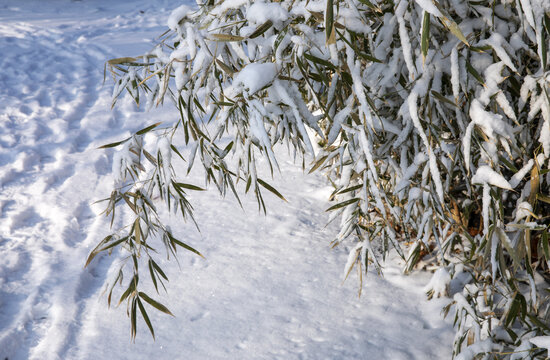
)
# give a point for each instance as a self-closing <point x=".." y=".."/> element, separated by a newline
<point x="270" y="287"/>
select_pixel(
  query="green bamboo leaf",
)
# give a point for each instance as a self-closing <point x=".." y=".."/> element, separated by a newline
<point x="442" y="98"/>
<point x="148" y="128"/>
<point x="154" y="303"/>
<point x="509" y="247"/>
<point x="95" y="251"/>
<point x="226" y="68"/>
<point x="224" y="103"/>
<point x="159" y="270"/>
<point x="131" y="288"/>
<point x="188" y="186"/>
<point x="261" y="29"/>
<point x="329" y="21"/>
<point x="544" y="49"/>
<point x="271" y="189"/>
<point x="280" y="38"/>
<point x="120" y="277"/>
<point x="425" y="40"/>
<point x="174" y="149"/>
<point x="149" y="157"/>
<point x="111" y="145"/>
<point x="183" y="245"/>
<point x="513" y="311"/>
<point x="538" y="323"/>
<point x="319" y="61"/>
<point x="545" y="245"/>
<point x="113" y="244"/>
<point x="133" y="317"/>
<point x="452" y="26"/>
<point x="343" y="204"/>
<point x="318" y="163"/>
<point x="152" y="274"/>
<point x="351" y="188"/>
<point x="145" y="317"/>
<point x="474" y="73"/>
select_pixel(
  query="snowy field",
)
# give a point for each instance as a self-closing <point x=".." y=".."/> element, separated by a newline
<point x="270" y="287"/>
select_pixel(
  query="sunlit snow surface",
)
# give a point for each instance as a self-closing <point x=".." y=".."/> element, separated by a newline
<point x="270" y="287"/>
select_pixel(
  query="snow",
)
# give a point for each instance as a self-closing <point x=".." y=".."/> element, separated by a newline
<point x="177" y="15"/>
<point x="259" y="13"/>
<point x="541" y="342"/>
<point x="270" y="287"/>
<point x="518" y="177"/>
<point x="470" y="352"/>
<point x="429" y="6"/>
<point x="439" y="283"/>
<point x="523" y="210"/>
<point x="486" y="175"/>
<point x="490" y="123"/>
<point x="254" y="77"/>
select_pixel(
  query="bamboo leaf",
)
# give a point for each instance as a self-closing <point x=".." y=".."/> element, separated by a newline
<point x="188" y="186"/>
<point x="129" y="290"/>
<point x="474" y="73"/>
<point x="122" y="60"/>
<point x="113" y="244"/>
<point x="454" y="29"/>
<point x="115" y="144"/>
<point x="318" y="163"/>
<point x="425" y="40"/>
<point x="137" y="231"/>
<point x="261" y="29"/>
<point x="226" y="68"/>
<point x="351" y="188"/>
<point x="319" y="61"/>
<point x="154" y="303"/>
<point x="343" y="204"/>
<point x="183" y="245"/>
<point x="329" y="23"/>
<point x="513" y="312"/>
<point x="133" y="317"/>
<point x="95" y="251"/>
<point x="145" y="317"/>
<point x="159" y="270"/>
<point x="226" y="37"/>
<point x="149" y="157"/>
<point x="442" y="98"/>
<point x="174" y="149"/>
<point x="271" y="189"/>
<point x="148" y="128"/>
<point x="152" y="273"/>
